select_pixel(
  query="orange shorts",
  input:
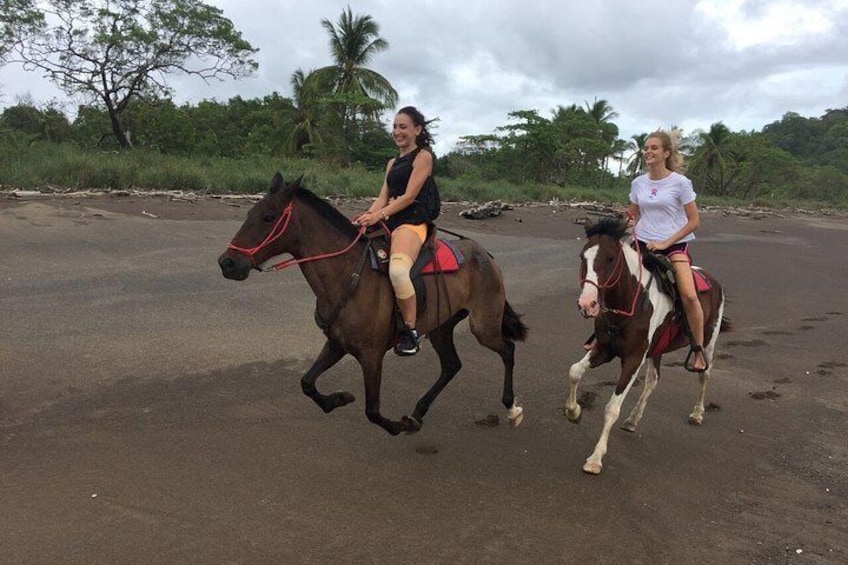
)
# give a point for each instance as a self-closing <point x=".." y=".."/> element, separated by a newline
<point x="419" y="229"/>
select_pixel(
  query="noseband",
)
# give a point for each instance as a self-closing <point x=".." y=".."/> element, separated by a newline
<point x="613" y="280"/>
<point x="276" y="232"/>
<point x="280" y="227"/>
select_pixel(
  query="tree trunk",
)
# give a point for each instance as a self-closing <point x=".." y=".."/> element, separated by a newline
<point x="117" y="130"/>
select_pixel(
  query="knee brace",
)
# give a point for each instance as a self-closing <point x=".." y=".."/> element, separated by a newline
<point x="399" y="267"/>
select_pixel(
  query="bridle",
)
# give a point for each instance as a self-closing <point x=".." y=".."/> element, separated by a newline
<point x="277" y="231"/>
<point x="613" y="279"/>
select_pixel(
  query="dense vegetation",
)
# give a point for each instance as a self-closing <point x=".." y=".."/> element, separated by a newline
<point x="131" y="134"/>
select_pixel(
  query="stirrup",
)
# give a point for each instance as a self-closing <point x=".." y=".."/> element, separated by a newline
<point x="688" y="364"/>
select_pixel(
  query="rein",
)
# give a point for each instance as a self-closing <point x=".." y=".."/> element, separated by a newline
<point x="613" y="280"/>
<point x="276" y="232"/>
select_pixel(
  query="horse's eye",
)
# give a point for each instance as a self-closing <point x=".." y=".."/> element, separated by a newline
<point x="268" y="218"/>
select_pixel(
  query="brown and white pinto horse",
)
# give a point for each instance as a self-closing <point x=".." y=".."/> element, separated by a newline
<point x="355" y="304"/>
<point x="634" y="321"/>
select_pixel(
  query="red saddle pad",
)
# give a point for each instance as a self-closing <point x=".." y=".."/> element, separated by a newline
<point x="702" y="284"/>
<point x="447" y="259"/>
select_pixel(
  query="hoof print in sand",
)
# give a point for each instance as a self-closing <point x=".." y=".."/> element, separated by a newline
<point x="765" y="394"/>
<point x="747" y="343"/>
<point x="489" y="421"/>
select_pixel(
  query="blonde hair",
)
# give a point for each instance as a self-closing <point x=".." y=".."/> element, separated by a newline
<point x="669" y="140"/>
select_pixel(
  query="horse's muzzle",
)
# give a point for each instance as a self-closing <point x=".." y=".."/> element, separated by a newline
<point x="588" y="305"/>
<point x="587" y="313"/>
<point x="236" y="268"/>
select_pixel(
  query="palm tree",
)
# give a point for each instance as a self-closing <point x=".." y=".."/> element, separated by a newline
<point x="619" y="146"/>
<point x="710" y="159"/>
<point x="602" y="113"/>
<point x="302" y="126"/>
<point x="636" y="162"/>
<point x="354" y="40"/>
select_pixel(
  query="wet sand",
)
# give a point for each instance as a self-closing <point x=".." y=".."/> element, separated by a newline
<point x="151" y="411"/>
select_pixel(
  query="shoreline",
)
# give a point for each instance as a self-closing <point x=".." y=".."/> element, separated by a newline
<point x="601" y="207"/>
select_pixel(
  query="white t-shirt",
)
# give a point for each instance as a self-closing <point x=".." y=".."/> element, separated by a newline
<point x="661" y="202"/>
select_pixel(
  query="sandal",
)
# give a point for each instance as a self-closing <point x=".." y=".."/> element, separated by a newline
<point x="689" y="363"/>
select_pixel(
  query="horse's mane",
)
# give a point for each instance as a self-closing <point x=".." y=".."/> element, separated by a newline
<point x="326" y="211"/>
<point x="612" y="227"/>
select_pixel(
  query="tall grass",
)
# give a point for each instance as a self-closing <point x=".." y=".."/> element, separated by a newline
<point x="39" y="166"/>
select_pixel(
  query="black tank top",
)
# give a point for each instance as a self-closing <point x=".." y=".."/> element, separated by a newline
<point x="397" y="180"/>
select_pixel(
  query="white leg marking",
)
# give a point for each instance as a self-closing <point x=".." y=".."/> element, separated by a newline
<point x="651" y="379"/>
<point x="572" y="409"/>
<point x="515" y="415"/>
<point x="696" y="418"/>
<point x="594" y="463"/>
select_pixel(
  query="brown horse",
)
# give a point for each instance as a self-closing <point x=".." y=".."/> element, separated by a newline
<point x="636" y="321"/>
<point x="356" y="304"/>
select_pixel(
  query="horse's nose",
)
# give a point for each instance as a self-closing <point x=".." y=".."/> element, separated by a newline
<point x="588" y="306"/>
<point x="231" y="269"/>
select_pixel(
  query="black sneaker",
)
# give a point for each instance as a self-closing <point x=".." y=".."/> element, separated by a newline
<point x="408" y="344"/>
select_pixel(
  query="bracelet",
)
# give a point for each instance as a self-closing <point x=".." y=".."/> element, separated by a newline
<point x="383" y="212"/>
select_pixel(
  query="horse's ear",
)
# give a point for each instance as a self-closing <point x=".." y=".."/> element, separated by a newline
<point x="276" y="183"/>
<point x="587" y="223"/>
<point x="298" y="181"/>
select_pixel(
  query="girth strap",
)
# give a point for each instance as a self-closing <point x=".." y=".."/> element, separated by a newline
<point x="351" y="288"/>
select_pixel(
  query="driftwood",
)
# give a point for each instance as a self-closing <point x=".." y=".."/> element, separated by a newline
<point x="487" y="210"/>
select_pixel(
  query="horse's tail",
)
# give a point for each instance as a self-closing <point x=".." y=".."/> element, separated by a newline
<point x="512" y="327"/>
<point x="726" y="326"/>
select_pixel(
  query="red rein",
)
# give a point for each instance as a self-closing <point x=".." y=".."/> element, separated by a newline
<point x="614" y="278"/>
<point x="276" y="232"/>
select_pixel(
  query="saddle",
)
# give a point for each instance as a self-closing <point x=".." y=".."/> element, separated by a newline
<point x="437" y="256"/>
<point x="661" y="268"/>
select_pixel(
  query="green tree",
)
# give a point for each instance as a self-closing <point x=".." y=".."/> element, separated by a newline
<point x="18" y="19"/>
<point x="529" y="147"/>
<point x="114" y="51"/>
<point x="619" y="147"/>
<point x="354" y="41"/>
<point x="711" y="159"/>
<point x="795" y="134"/>
<point x="580" y="147"/>
<point x="602" y="114"/>
<point x="43" y="124"/>
<point x="636" y="162"/>
<point x="354" y="90"/>
<point x="757" y="167"/>
<point x="303" y="125"/>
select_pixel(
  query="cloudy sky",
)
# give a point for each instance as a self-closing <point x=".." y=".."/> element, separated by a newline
<point x="470" y="62"/>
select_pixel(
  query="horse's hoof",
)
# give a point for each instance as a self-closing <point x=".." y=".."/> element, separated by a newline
<point x="515" y="415"/>
<point x="574" y="416"/>
<point x="592" y="468"/>
<point x="410" y="425"/>
<point x="628" y="427"/>
<point x="696" y="419"/>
